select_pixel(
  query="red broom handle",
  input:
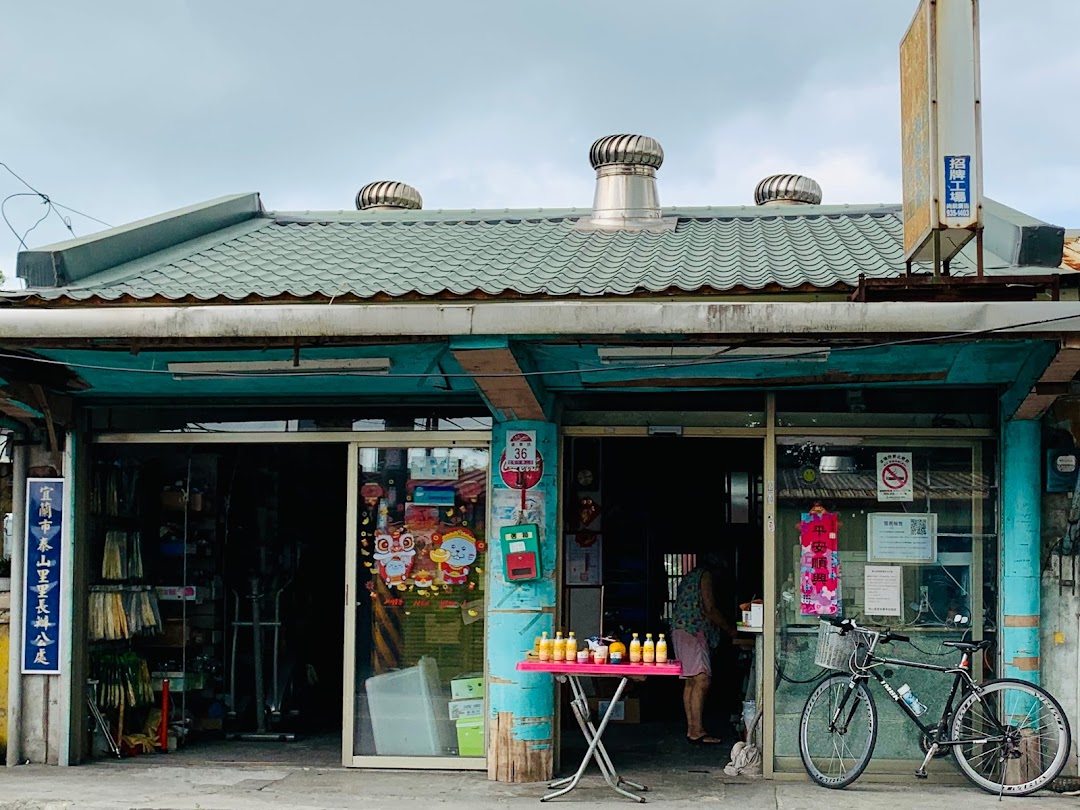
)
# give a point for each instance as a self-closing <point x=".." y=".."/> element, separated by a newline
<point x="163" y="729"/>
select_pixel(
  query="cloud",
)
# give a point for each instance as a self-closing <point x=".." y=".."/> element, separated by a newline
<point x="845" y="136"/>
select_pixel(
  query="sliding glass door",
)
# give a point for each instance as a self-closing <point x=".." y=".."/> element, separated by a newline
<point x="417" y="545"/>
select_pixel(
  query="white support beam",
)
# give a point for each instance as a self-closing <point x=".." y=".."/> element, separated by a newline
<point x="36" y="326"/>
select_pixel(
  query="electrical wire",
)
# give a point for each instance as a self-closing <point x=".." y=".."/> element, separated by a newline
<point x="3" y="213"/>
<point x="711" y="360"/>
<point x="48" y="210"/>
<point x="46" y="198"/>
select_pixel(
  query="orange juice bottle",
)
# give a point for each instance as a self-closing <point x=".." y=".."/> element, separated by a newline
<point x="558" y="648"/>
<point x="648" y="650"/>
<point x="661" y="650"/>
<point x="635" y="649"/>
<point x="571" y="648"/>
<point x="545" y="647"/>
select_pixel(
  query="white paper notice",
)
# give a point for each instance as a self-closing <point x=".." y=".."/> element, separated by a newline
<point x="901" y="537"/>
<point x="884" y="586"/>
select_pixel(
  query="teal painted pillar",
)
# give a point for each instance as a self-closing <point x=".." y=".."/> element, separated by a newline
<point x="1021" y="492"/>
<point x="521" y="706"/>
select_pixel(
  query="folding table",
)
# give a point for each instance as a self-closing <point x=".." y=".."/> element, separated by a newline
<point x="573" y="672"/>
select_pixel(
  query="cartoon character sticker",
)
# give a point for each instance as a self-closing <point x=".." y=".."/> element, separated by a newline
<point x="455" y="554"/>
<point x="423" y="580"/>
<point x="395" y="552"/>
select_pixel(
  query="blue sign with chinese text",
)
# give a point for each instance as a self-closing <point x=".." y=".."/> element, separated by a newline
<point x="44" y="554"/>
<point x="434" y="496"/>
<point x="957" y="186"/>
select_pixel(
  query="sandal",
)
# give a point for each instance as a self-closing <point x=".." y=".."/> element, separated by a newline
<point x="704" y="739"/>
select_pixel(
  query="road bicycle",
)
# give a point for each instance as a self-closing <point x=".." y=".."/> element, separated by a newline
<point x="1008" y="736"/>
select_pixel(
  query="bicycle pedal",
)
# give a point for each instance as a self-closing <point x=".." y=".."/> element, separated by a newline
<point x="921" y="774"/>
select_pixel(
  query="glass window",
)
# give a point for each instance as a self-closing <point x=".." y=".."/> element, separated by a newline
<point x="887" y="408"/>
<point x="420" y="618"/>
<point x="893" y="536"/>
<point x="306" y="419"/>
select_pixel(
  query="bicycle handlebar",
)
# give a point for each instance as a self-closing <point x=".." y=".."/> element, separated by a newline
<point x="885" y="636"/>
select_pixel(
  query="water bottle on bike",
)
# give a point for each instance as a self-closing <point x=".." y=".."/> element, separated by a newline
<point x="912" y="700"/>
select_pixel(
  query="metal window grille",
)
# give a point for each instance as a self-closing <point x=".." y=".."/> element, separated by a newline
<point x="676" y="566"/>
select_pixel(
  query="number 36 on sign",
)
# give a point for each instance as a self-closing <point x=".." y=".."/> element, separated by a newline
<point x="521" y="450"/>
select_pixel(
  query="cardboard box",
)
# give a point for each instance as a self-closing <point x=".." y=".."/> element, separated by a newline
<point x="467" y="707"/>
<point x="173" y="500"/>
<point x="467" y="686"/>
<point x="470" y="736"/>
<point x="174" y="633"/>
<point x="627" y="712"/>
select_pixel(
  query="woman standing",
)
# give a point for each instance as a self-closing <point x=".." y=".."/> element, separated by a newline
<point x="697" y="626"/>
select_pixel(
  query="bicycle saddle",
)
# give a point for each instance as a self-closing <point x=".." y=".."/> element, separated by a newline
<point x="967" y="646"/>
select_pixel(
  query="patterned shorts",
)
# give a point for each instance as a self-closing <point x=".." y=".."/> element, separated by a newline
<point x="693" y="653"/>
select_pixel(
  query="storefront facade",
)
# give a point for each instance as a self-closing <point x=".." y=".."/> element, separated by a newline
<point x="897" y="423"/>
<point x="816" y="449"/>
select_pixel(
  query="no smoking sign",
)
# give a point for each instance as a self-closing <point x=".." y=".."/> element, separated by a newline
<point x="894" y="481"/>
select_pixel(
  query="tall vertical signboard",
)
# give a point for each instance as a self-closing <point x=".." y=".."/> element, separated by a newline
<point x="44" y="548"/>
<point x="941" y="136"/>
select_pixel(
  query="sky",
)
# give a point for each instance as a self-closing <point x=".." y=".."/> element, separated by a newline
<point x="123" y="110"/>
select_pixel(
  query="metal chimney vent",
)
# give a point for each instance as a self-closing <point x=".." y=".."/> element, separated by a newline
<point x="626" y="195"/>
<point x="385" y="195"/>
<point x="787" y="189"/>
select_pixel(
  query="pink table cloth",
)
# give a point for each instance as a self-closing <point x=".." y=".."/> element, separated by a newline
<point x="611" y="670"/>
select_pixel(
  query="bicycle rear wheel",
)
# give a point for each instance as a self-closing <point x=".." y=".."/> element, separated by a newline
<point x="1031" y="751"/>
<point x="838" y="731"/>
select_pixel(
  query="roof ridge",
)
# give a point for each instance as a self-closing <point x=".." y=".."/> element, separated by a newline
<point x="490" y="215"/>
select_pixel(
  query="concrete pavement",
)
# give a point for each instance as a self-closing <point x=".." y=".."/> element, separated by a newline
<point x="159" y="785"/>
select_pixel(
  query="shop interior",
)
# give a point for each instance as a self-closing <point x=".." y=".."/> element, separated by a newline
<point x="216" y="579"/>
<point x="639" y="514"/>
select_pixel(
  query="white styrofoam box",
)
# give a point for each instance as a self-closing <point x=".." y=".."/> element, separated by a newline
<point x="410" y="713"/>
<point x="469" y="707"/>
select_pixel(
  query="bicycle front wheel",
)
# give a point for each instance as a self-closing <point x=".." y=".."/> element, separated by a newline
<point x="1014" y="737"/>
<point x="838" y="731"/>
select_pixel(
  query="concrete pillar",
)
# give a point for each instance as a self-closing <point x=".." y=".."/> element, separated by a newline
<point x="1021" y="490"/>
<point x="521" y="706"/>
<point x="13" y="755"/>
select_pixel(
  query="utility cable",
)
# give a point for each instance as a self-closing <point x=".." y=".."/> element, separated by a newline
<point x="52" y="208"/>
<point x="3" y="213"/>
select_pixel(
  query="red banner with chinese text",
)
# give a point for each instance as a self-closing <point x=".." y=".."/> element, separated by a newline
<point x="820" y="565"/>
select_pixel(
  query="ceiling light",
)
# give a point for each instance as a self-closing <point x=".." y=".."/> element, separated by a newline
<point x="279" y="368"/>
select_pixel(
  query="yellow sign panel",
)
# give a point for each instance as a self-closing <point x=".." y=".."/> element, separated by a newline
<point x="917" y="137"/>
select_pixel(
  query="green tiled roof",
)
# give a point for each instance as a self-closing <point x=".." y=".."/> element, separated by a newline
<point x="528" y="253"/>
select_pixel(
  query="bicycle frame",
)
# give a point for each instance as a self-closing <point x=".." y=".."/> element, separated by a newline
<point x="937" y="734"/>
